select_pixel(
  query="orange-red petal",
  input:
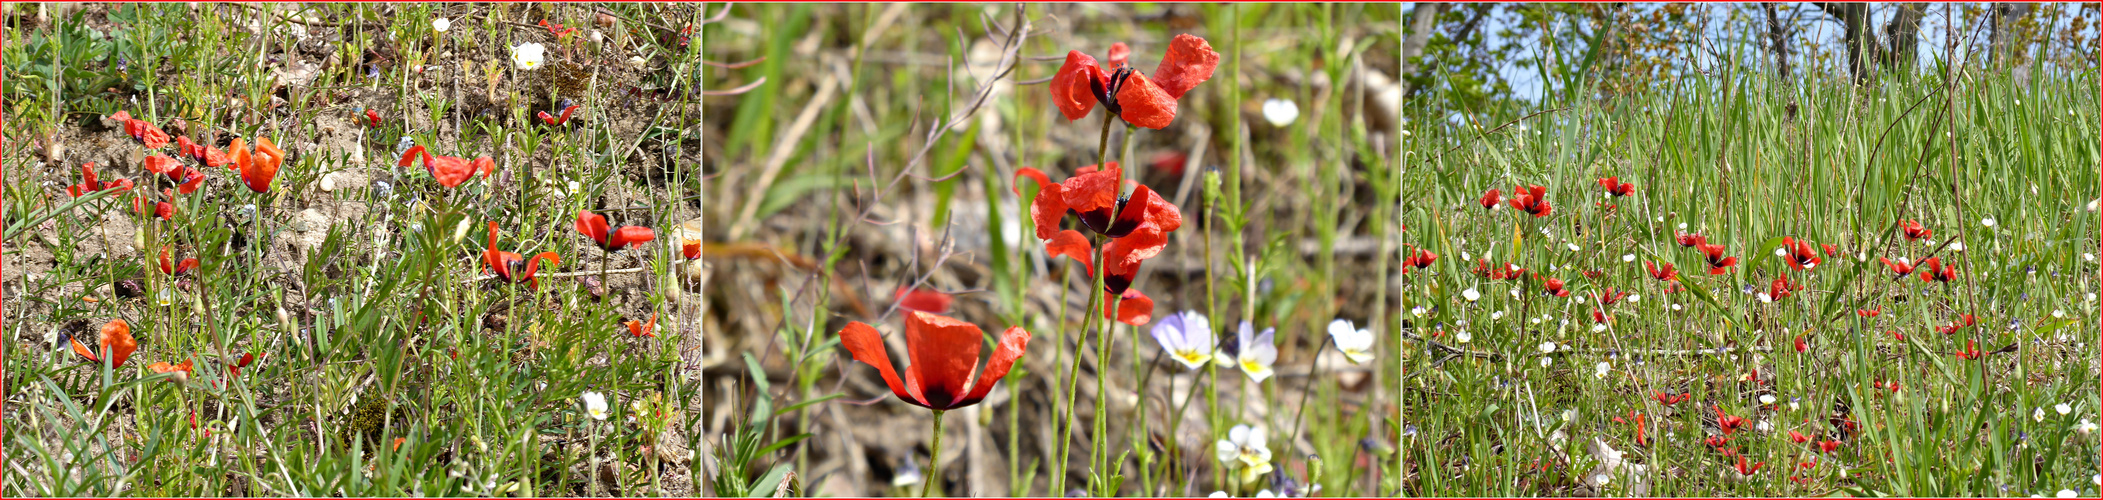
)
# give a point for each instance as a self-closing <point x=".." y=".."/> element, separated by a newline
<point x="1033" y="174"/>
<point x="628" y="236"/>
<point x="1120" y="55"/>
<point x="1071" y="243"/>
<point x="1070" y="87"/>
<point x="862" y="341"/>
<point x="1190" y="61"/>
<point x="943" y="352"/>
<point x="1133" y="308"/>
<point x="117" y="341"/>
<point x="1145" y="104"/>
<point x="593" y="226"/>
<point x="1012" y="344"/>
<point x="922" y="299"/>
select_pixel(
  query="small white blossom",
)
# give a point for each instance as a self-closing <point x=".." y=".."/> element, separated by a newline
<point x="529" y="56"/>
<point x="1988" y="222"/>
<point x="1545" y="361"/>
<point x="1602" y="370"/>
<point x="2063" y="408"/>
<point x="441" y="24"/>
<point x="1280" y="112"/>
<point x="1471" y="295"/>
<point x="595" y="405"/>
<point x="2038" y="415"/>
<point x="1356" y="343"/>
<point x="1463" y="337"/>
<point x="1547" y="347"/>
<point x="1766" y="399"/>
<point x="1628" y="257"/>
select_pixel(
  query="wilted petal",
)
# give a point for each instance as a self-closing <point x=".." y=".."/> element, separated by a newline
<point x="1070" y="87"/>
<point x="1145" y="104"/>
<point x="1190" y="61"/>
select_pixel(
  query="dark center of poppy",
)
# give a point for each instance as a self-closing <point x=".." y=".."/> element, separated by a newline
<point x="1116" y="223"/>
<point x="1106" y="91"/>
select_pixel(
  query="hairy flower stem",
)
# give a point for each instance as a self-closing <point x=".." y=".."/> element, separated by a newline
<point x="934" y="458"/>
<point x="1058" y="479"/>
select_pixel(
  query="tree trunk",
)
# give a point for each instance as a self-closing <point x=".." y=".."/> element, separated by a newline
<point x="1778" y="39"/>
<point x="1863" y="50"/>
<point x="1422" y="20"/>
<point x="1904" y="34"/>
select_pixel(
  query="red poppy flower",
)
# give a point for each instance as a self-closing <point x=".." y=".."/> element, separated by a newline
<point x="1869" y="313"/>
<point x="1828" y="445"/>
<point x="1933" y="270"/>
<point x="1508" y="272"/>
<point x="161" y="209"/>
<point x="1138" y="99"/>
<point x="372" y="117"/>
<point x="1798" y="437"/>
<point x="1728" y="423"/>
<point x="261" y="166"/>
<point x="641" y="329"/>
<point x="1914" y="231"/>
<point x="1800" y="345"/>
<point x="189" y="180"/>
<point x="163" y="165"/>
<point x="514" y="267"/>
<point x="691" y="249"/>
<point x="554" y="120"/>
<point x="594" y="226"/>
<point x="1610" y="296"/>
<point x="1971" y="350"/>
<point x="922" y="299"/>
<point x="1532" y="200"/>
<point x="90" y="184"/>
<point x="1554" y="287"/>
<point x="1964" y="321"/>
<point x="1665" y="273"/>
<point x="1800" y="255"/>
<point x="233" y="368"/>
<point x="184" y="147"/>
<point x="449" y="171"/>
<point x="1782" y="288"/>
<point x="1831" y="251"/>
<point x="1748" y="470"/>
<point x="1689" y="240"/>
<point x="1138" y="225"/>
<point x="1420" y="259"/>
<point x="170" y="268"/>
<point x="1600" y="317"/>
<point x="181" y="371"/>
<point x="1490" y="199"/>
<point x="1717" y="442"/>
<point x="942" y="352"/>
<point x="1718" y="264"/>
<point x="115" y="341"/>
<point x="1670" y="399"/>
<point x="1615" y="187"/>
<point x="1133" y="308"/>
<point x="146" y="133"/>
<point x="1900" y="268"/>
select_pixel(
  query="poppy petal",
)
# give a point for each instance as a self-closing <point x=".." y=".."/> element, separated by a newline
<point x="593" y="226"/>
<point x="922" y="299"/>
<point x="408" y="157"/>
<point x="1190" y="61"/>
<point x="1033" y="174"/>
<point x="493" y="258"/>
<point x="1145" y="104"/>
<point x="1118" y="273"/>
<point x="1012" y="343"/>
<point x="1133" y="308"/>
<point x="1071" y="243"/>
<point x="1120" y="55"/>
<point x="1048" y="209"/>
<point x="117" y="341"/>
<point x="81" y="350"/>
<point x="1092" y="191"/>
<point x="868" y="348"/>
<point x="628" y="236"/>
<point x="943" y="352"/>
<point x="1070" y="87"/>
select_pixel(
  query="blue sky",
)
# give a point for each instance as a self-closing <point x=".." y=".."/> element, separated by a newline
<point x="1815" y="28"/>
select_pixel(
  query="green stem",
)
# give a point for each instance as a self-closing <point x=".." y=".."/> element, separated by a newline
<point x="934" y="458"/>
